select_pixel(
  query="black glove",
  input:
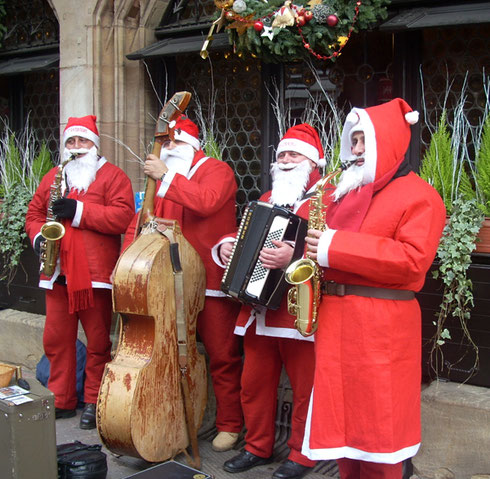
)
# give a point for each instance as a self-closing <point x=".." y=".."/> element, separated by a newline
<point x="65" y="208"/>
<point x="37" y="244"/>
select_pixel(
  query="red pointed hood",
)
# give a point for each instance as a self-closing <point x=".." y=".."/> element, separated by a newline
<point x="386" y="135"/>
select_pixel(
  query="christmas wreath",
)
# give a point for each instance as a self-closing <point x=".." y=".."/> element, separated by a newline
<point x="283" y="31"/>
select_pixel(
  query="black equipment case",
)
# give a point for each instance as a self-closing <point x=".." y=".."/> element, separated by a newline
<point x="28" y="436"/>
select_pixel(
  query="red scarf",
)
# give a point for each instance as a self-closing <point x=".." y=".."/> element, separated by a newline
<point x="74" y="264"/>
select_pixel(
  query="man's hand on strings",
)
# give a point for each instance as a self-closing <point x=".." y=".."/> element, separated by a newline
<point x="154" y="167"/>
<point x="312" y="241"/>
<point x="278" y="257"/>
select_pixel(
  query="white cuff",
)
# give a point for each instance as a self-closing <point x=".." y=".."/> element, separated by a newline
<point x="78" y="215"/>
<point x="167" y="179"/>
<point x="215" y="250"/>
<point x="323" y="247"/>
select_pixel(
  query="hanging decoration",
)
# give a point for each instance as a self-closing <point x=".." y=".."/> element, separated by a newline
<point x="288" y="30"/>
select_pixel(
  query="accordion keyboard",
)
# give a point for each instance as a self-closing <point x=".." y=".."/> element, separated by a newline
<point x="259" y="274"/>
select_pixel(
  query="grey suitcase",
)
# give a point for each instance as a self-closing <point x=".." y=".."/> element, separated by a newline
<point x="28" y="436"/>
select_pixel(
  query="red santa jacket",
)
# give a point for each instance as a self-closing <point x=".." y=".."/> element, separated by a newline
<point x="204" y="205"/>
<point x="366" y="399"/>
<point x="103" y="213"/>
<point x="275" y="323"/>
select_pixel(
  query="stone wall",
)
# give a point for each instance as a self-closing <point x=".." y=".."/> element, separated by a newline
<point x="97" y="78"/>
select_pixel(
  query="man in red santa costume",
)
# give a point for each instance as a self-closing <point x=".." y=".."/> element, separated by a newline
<point x="95" y="208"/>
<point x="199" y="192"/>
<point x="383" y="229"/>
<point x="270" y="338"/>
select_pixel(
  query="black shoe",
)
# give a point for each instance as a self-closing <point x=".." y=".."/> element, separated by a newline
<point x="64" y="413"/>
<point x="290" y="470"/>
<point x="87" y="419"/>
<point x="245" y="461"/>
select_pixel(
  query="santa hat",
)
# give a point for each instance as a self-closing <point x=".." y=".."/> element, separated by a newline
<point x="186" y="130"/>
<point x="303" y="139"/>
<point x="387" y="134"/>
<point x="84" y="126"/>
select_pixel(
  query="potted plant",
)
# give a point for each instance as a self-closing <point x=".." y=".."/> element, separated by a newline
<point x="482" y="181"/>
<point x="21" y="170"/>
<point x="462" y="183"/>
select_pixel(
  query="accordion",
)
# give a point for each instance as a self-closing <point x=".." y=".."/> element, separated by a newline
<point x="245" y="278"/>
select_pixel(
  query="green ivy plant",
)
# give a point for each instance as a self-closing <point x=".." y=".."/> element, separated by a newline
<point x="454" y="256"/>
<point x="12" y="232"/>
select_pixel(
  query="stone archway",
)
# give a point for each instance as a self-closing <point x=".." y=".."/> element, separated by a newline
<point x="96" y="78"/>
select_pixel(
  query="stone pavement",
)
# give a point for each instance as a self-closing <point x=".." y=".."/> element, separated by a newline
<point x="119" y="467"/>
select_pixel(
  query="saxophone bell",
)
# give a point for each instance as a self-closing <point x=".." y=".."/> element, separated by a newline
<point x="301" y="296"/>
<point x="52" y="232"/>
<point x="305" y="274"/>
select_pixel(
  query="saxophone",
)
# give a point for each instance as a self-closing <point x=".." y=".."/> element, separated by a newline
<point x="304" y="274"/>
<point x="52" y="231"/>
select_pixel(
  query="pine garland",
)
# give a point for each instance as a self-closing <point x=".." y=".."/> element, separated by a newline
<point x="277" y="31"/>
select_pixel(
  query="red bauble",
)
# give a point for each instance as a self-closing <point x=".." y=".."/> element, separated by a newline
<point x="258" y="26"/>
<point x="229" y="15"/>
<point x="332" y="20"/>
<point x="308" y="15"/>
<point x="301" y="20"/>
<point x="307" y="46"/>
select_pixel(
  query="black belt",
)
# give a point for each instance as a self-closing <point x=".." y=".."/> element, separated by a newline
<point x="331" y="288"/>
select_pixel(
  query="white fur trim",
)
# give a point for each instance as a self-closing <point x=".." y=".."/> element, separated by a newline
<point x="276" y="332"/>
<point x="323" y="247"/>
<point x="352" y="117"/>
<point x="215" y="293"/>
<point x="165" y="183"/>
<point x="77" y="130"/>
<point x="186" y="138"/>
<point x="215" y="249"/>
<point x="100" y="285"/>
<point x="301" y="147"/>
<point x="359" y="115"/>
<point x="78" y="215"/>
<point x="351" y="452"/>
<point x="412" y="117"/>
<point x="196" y="167"/>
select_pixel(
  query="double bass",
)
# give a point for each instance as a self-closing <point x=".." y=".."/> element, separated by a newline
<point x="153" y="393"/>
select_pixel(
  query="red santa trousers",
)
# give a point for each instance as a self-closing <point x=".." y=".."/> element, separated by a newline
<point x="264" y="357"/>
<point x="59" y="340"/>
<point x="215" y="325"/>
<point x="353" y="469"/>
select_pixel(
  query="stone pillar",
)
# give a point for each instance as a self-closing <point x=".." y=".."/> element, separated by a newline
<point x="455" y="432"/>
<point x="97" y="78"/>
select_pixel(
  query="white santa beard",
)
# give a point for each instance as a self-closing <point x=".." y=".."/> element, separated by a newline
<point x="179" y="159"/>
<point x="80" y="173"/>
<point x="288" y="185"/>
<point x="350" y="179"/>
